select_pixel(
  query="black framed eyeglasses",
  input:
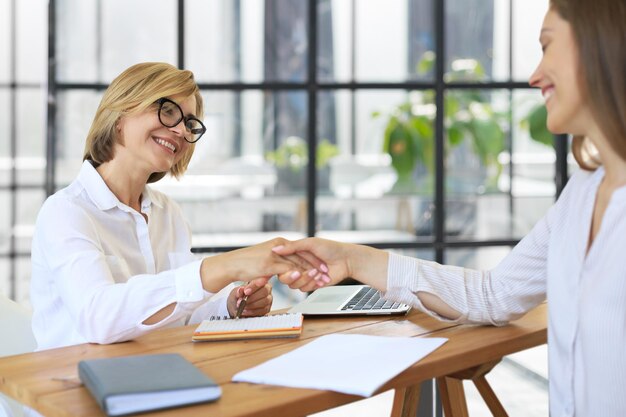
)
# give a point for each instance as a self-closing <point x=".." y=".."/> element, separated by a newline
<point x="170" y="115"/>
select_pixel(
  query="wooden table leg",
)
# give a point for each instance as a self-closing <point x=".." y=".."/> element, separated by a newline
<point x="405" y="401"/>
<point x="452" y="397"/>
<point x="490" y="397"/>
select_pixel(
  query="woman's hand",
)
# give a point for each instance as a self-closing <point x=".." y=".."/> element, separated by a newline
<point x="252" y="262"/>
<point x="259" y="302"/>
<point x="343" y="260"/>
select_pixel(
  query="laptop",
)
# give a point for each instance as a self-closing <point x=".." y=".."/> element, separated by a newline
<point x="347" y="300"/>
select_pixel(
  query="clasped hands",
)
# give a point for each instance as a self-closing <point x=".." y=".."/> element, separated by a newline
<point x="304" y="264"/>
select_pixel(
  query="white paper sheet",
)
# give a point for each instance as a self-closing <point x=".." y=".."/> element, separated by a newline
<point x="348" y="363"/>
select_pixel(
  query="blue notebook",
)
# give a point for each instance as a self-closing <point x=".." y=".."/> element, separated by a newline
<point x="134" y="384"/>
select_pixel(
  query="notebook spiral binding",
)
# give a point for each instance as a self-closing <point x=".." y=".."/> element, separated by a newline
<point x="212" y="318"/>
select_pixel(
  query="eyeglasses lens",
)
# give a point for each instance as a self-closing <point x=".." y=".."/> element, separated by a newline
<point x="195" y="128"/>
<point x="170" y="114"/>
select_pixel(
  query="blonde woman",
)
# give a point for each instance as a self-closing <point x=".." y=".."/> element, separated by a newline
<point x="111" y="257"/>
<point x="574" y="256"/>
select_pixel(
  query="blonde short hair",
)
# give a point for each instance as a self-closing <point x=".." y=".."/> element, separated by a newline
<point x="133" y="91"/>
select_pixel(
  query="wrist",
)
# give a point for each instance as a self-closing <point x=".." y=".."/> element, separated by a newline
<point x="369" y="266"/>
<point x="214" y="273"/>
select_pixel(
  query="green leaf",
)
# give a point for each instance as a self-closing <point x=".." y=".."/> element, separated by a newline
<point x="488" y="139"/>
<point x="391" y="125"/>
<point x="325" y="152"/>
<point x="455" y="134"/>
<point x="426" y="63"/>
<point x="452" y="105"/>
<point x="538" y="129"/>
<point x="401" y="149"/>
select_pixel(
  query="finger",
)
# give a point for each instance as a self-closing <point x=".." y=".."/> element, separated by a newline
<point x="313" y="285"/>
<point x="299" y="261"/>
<point x="304" y="280"/>
<point x="239" y="293"/>
<point x="260" y="308"/>
<point x="254" y="285"/>
<point x="260" y="294"/>
<point x="303" y="249"/>
<point x="255" y="313"/>
<point x="313" y="260"/>
<point x="289" y="248"/>
<point x="260" y="303"/>
<point x="288" y="277"/>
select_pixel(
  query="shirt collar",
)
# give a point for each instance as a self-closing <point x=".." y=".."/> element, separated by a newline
<point x="102" y="196"/>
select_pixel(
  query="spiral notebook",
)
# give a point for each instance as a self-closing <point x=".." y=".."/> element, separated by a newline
<point x="266" y="327"/>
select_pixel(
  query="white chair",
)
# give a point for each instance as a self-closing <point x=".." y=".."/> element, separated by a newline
<point x="17" y="337"/>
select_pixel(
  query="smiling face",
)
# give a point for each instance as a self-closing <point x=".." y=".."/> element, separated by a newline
<point x="557" y="76"/>
<point x="147" y="145"/>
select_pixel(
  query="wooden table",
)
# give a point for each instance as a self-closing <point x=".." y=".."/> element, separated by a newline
<point x="47" y="380"/>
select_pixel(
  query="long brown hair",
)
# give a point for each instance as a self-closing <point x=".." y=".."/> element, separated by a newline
<point x="599" y="28"/>
<point x="134" y="90"/>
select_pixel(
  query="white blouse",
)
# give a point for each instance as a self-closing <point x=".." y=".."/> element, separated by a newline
<point x="99" y="270"/>
<point x="586" y="295"/>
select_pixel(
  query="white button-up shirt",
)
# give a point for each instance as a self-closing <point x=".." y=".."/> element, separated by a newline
<point x="99" y="269"/>
<point x="586" y="294"/>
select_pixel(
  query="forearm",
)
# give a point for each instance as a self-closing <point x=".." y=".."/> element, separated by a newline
<point x="160" y="315"/>
<point x="438" y="306"/>
<point x="215" y="274"/>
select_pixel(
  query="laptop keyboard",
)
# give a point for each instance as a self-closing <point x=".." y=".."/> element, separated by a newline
<point x="369" y="299"/>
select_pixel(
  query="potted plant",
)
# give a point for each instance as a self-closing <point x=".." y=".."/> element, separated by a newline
<point x="469" y="117"/>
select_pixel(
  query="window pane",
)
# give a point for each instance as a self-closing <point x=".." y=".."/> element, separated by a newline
<point x="527" y="18"/>
<point x="5" y="132"/>
<point x="378" y="40"/>
<point x="247" y="40"/>
<point x="5" y="277"/>
<point x="77" y="26"/>
<point x="97" y="41"/>
<point x="28" y="204"/>
<point x="31" y="136"/>
<point x="75" y="113"/>
<point x="5" y="41"/>
<point x="470" y="50"/>
<point x="481" y="200"/>
<point x="382" y="195"/>
<point x="237" y="190"/>
<point x="31" y="40"/>
<point x="534" y="164"/>
<point x="6" y="203"/>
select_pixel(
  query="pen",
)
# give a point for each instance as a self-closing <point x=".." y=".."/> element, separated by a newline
<point x="242" y="306"/>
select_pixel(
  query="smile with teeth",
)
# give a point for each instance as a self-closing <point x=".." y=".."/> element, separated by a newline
<point x="547" y="93"/>
<point x="165" y="143"/>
